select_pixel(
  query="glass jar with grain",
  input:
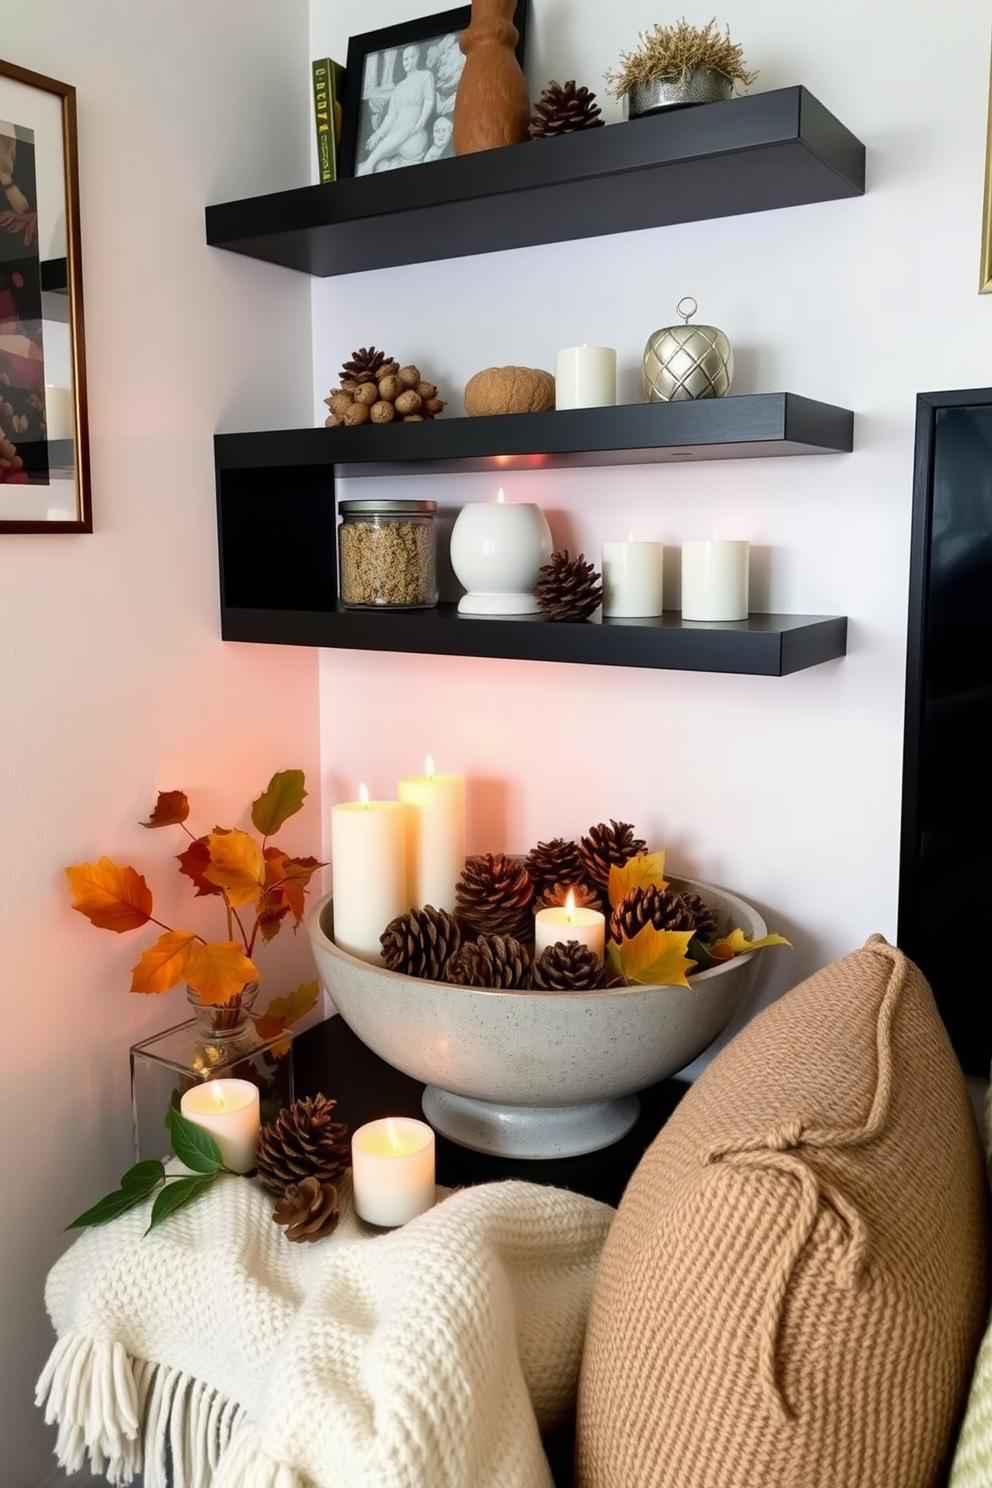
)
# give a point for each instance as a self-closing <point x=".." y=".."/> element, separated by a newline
<point x="388" y="555"/>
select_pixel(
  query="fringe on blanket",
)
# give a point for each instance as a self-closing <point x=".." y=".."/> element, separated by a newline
<point x="128" y="1416"/>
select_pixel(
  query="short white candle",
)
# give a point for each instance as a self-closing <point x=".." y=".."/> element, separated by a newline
<point x="392" y="1165"/>
<point x="633" y="578"/>
<point x="228" y="1110"/>
<point x="559" y="925"/>
<point x="435" y="836"/>
<point x="586" y="377"/>
<point x="715" y="580"/>
<point x="368" y="861"/>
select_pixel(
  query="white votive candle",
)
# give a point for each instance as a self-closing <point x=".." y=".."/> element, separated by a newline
<point x="633" y="578"/>
<point x="228" y="1110"/>
<point x="368" y="862"/>
<point x="392" y="1165"/>
<point x="585" y="377"/>
<point x="715" y="580"/>
<point x="564" y="923"/>
<point x="434" y="823"/>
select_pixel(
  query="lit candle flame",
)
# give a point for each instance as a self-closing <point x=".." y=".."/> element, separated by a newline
<point x="500" y="497"/>
<point x="218" y="1095"/>
<point x="429" y="766"/>
<point x="393" y="1136"/>
<point x="570" y="904"/>
<point x="363" y="794"/>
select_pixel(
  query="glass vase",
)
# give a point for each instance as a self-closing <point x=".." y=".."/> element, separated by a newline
<point x="218" y="1042"/>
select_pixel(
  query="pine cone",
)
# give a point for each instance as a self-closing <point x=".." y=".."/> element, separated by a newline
<point x="365" y="365"/>
<point x="584" y="896"/>
<point x="567" y="967"/>
<point x="495" y="896"/>
<point x="303" y="1142"/>
<point x="605" y="847"/>
<point x="309" y="1210"/>
<point x="420" y="942"/>
<point x="568" y="588"/>
<point x="553" y="862"/>
<point x="564" y="108"/>
<point x="665" y="909"/>
<point x="491" y="961"/>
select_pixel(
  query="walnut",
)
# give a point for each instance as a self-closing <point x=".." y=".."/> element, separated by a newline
<point x="367" y="392"/>
<point x="388" y="369"/>
<point x="409" y="402"/>
<point x="409" y="376"/>
<point x="427" y="389"/>
<point x="358" y="413"/>
<point x="339" y="403"/>
<point x="390" y="387"/>
<point x="413" y="418"/>
<point x="433" y="405"/>
<point x="348" y="385"/>
<point x="333" y="421"/>
<point x="382" y="412"/>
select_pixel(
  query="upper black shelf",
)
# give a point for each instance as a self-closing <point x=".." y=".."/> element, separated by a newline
<point x="778" y="149"/>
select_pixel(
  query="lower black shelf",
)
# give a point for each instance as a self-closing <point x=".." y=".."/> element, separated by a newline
<point x="761" y="646"/>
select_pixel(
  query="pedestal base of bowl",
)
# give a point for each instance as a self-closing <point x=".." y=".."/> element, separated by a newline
<point x="529" y="1131"/>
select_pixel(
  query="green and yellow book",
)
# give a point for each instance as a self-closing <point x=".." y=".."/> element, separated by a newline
<point x="328" y="89"/>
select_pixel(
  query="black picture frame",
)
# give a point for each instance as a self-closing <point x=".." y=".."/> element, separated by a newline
<point x="945" y="870"/>
<point x="383" y="51"/>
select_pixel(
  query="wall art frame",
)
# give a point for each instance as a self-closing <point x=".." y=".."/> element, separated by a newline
<point x="985" y="272"/>
<point x="380" y="64"/>
<point x="44" y="442"/>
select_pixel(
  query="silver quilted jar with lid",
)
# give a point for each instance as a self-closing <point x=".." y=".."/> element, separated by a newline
<point x="687" y="361"/>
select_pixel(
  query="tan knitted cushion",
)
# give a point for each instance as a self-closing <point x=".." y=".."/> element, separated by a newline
<point x="794" y="1288"/>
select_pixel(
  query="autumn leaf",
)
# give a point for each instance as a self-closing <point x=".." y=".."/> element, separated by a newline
<point x="637" y="873"/>
<point x="218" y="971"/>
<point x="282" y="1011"/>
<point x="737" y="944"/>
<point x="286" y="882"/>
<point x="111" y="897"/>
<point x="193" y="862"/>
<point x="171" y="809"/>
<point x="270" y="920"/>
<point x="281" y="799"/>
<point x="656" y="957"/>
<point x="165" y="963"/>
<point x="237" y="865"/>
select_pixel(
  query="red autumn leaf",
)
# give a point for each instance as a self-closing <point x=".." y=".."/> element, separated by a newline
<point x="111" y="897"/>
<point x="270" y="920"/>
<point x="287" y="880"/>
<point x="218" y="971"/>
<point x="192" y="863"/>
<point x="163" y="964"/>
<point x="171" y="809"/>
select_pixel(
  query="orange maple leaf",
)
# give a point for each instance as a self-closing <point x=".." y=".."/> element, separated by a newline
<point x="163" y="964"/>
<point x="218" y="971"/>
<point x="237" y="865"/>
<point x="111" y="897"/>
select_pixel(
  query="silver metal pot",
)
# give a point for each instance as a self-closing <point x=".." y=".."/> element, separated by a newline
<point x="701" y="85"/>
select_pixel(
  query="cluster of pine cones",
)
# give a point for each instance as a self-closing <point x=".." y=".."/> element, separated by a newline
<point x="488" y="941"/>
<point x="302" y="1157"/>
<point x="376" y="389"/>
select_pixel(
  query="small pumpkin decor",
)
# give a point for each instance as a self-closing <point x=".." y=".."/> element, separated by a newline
<point x="497" y="390"/>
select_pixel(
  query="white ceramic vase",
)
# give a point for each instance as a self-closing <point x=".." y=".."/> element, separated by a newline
<point x="497" y="549"/>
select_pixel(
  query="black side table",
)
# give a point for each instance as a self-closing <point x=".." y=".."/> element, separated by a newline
<point x="331" y="1060"/>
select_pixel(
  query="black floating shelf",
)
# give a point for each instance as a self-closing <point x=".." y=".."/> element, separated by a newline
<point x="751" y="426"/>
<point x="762" y="645"/>
<point x="778" y="149"/>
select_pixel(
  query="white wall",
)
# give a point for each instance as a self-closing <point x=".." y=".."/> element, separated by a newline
<point x="786" y="790"/>
<point x="113" y="680"/>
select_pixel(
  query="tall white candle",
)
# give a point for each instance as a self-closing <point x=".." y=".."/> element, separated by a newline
<point x="633" y="578"/>
<point x="559" y="925"/>
<point x="228" y="1110"/>
<point x="435" y="836"/>
<point x="715" y="580"/>
<point x="392" y="1166"/>
<point x="368" y="862"/>
<point x="586" y="377"/>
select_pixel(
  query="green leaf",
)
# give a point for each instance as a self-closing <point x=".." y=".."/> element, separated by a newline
<point x="613" y="957"/>
<point x="193" y="1145"/>
<point x="137" y="1183"/>
<point x="699" y="954"/>
<point x="176" y="1194"/>
<point x="281" y="799"/>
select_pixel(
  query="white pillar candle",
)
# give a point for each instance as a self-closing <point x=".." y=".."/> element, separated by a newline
<point x="392" y="1165"/>
<point x="434" y="810"/>
<point x="586" y="377"/>
<point x="714" y="580"/>
<point x="228" y="1110"/>
<point x="633" y="578"/>
<point x="559" y="925"/>
<point x="368" y="862"/>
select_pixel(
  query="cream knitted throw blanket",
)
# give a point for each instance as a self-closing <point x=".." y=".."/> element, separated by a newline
<point x="428" y="1357"/>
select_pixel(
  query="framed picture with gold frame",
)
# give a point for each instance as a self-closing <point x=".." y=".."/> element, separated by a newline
<point x="44" y="446"/>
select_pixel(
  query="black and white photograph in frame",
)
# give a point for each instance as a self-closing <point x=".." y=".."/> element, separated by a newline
<point x="400" y="92"/>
